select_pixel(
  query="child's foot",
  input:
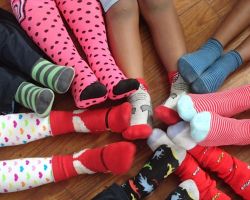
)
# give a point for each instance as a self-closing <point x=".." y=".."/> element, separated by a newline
<point x="215" y="75"/>
<point x="226" y="103"/>
<point x="40" y="100"/>
<point x="167" y="112"/>
<point x="211" y="129"/>
<point x="141" y="119"/>
<point x="192" y="65"/>
<point x="57" y="78"/>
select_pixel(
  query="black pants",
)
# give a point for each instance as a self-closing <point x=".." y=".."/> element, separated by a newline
<point x="17" y="57"/>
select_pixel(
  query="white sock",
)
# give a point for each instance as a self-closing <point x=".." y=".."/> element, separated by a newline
<point x="178" y="87"/>
<point x="142" y="109"/>
<point x="180" y="135"/>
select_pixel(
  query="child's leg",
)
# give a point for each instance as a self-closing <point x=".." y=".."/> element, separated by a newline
<point x="14" y="88"/>
<point x="193" y="65"/>
<point x="86" y="20"/>
<point x="23" y="128"/>
<point x="226" y="103"/>
<point x="22" y="174"/>
<point x="123" y="30"/>
<point x="168" y="37"/>
<point x="42" y="21"/>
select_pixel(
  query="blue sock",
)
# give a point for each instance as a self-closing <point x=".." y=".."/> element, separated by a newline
<point x="192" y="65"/>
<point x="215" y="75"/>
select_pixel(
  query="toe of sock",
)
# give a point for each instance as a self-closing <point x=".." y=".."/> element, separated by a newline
<point x="126" y="86"/>
<point x="185" y="108"/>
<point x="186" y="70"/>
<point x="44" y="102"/>
<point x="65" y="79"/>
<point x="141" y="131"/>
<point x="200" y="87"/>
<point x="200" y="126"/>
<point x="167" y="115"/>
<point x="95" y="90"/>
<point x="122" y="111"/>
<point x="118" y="157"/>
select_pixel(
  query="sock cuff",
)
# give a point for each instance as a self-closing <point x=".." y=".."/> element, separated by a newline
<point x="217" y="43"/>
<point x="237" y="56"/>
<point x="62" y="167"/>
<point x="61" y="122"/>
<point x="171" y="76"/>
<point x="143" y="82"/>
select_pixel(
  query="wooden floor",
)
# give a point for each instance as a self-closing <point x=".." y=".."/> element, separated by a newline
<point x="199" y="19"/>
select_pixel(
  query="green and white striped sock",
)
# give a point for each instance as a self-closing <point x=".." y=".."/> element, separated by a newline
<point x="57" y="78"/>
<point x="38" y="99"/>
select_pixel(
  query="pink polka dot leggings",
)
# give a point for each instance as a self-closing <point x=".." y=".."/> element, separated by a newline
<point x="100" y="77"/>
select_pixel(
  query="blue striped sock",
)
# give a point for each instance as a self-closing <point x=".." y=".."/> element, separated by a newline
<point x="192" y="65"/>
<point x="215" y="75"/>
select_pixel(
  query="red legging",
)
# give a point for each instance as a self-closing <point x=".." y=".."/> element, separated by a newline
<point x="43" y="23"/>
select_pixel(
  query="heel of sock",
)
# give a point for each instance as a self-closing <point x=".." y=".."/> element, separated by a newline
<point x="167" y="115"/>
<point x="65" y="79"/>
<point x="95" y="90"/>
<point x="44" y="102"/>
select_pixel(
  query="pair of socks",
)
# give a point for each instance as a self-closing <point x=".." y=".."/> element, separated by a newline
<point x="167" y="112"/>
<point x="166" y="159"/>
<point x="206" y="69"/>
<point x="96" y="79"/>
<point x="209" y="116"/>
<point x="22" y="174"/>
<point x="17" y="129"/>
<point x="233" y="171"/>
<point x="40" y="100"/>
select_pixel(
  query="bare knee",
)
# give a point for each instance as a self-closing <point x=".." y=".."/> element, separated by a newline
<point x="123" y="9"/>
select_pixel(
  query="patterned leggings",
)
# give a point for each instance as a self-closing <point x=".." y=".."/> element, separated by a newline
<point x="100" y="77"/>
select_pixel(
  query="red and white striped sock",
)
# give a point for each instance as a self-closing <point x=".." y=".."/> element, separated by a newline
<point x="116" y="158"/>
<point x="211" y="129"/>
<point x="189" y="169"/>
<point x="233" y="171"/>
<point x="116" y="119"/>
<point x="167" y="111"/>
<point x="226" y="103"/>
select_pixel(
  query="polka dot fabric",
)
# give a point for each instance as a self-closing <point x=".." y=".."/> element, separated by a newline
<point x="86" y="20"/>
<point x="43" y="23"/>
<point x="22" y="174"/>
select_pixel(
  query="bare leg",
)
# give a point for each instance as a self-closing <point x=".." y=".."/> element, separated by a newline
<point x="165" y="27"/>
<point x="244" y="49"/>
<point x="237" y="20"/>
<point x="124" y="37"/>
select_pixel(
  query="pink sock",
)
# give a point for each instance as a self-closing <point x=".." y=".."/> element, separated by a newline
<point x="226" y="103"/>
<point x="86" y="20"/>
<point x="211" y="129"/>
<point x="42" y="22"/>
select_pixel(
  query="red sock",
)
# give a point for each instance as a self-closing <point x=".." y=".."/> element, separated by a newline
<point x="215" y="130"/>
<point x="227" y="103"/>
<point x="189" y="169"/>
<point x="234" y="172"/>
<point x="116" y="158"/>
<point x="167" y="112"/>
<point x="141" y="119"/>
<point x="116" y="119"/>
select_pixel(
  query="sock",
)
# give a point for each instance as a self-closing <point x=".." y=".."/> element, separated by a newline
<point x="163" y="163"/>
<point x="141" y="119"/>
<point x="215" y="75"/>
<point x="116" y="158"/>
<point x="86" y="21"/>
<point x="38" y="99"/>
<point x="226" y="103"/>
<point x="189" y="169"/>
<point x="187" y="190"/>
<point x="95" y="120"/>
<point x="192" y="65"/>
<point x="167" y="112"/>
<point x="233" y="171"/>
<point x="57" y="78"/>
<point x="211" y="129"/>
<point x="22" y="174"/>
<point x="16" y="129"/>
